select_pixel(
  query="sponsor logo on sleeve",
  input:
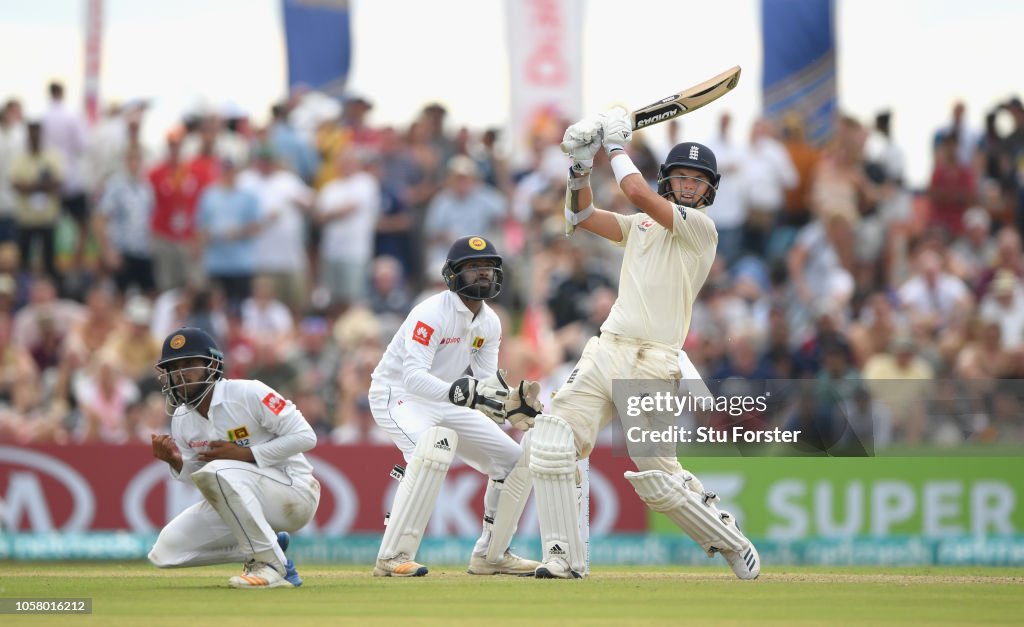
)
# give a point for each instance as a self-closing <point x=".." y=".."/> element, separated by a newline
<point x="274" y="403"/>
<point x="422" y="333"/>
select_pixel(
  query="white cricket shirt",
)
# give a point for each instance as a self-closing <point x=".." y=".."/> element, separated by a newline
<point x="437" y="343"/>
<point x="248" y="413"/>
<point x="662" y="273"/>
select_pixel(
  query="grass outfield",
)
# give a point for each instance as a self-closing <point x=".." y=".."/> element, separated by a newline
<point x="136" y="594"/>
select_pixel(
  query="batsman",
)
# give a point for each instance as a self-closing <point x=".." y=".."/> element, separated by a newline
<point x="669" y="248"/>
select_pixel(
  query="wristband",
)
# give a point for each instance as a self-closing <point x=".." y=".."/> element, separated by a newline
<point x="622" y="166"/>
<point x="576" y="218"/>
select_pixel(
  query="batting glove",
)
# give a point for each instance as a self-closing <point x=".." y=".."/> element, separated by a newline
<point x="617" y="127"/>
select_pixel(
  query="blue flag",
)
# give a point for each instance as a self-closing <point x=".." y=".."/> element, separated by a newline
<point x="319" y="44"/>
<point x="800" y="62"/>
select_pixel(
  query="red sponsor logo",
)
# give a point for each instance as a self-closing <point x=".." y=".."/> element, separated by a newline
<point x="274" y="403"/>
<point x="451" y="340"/>
<point x="198" y="443"/>
<point x="645" y="224"/>
<point x="422" y="333"/>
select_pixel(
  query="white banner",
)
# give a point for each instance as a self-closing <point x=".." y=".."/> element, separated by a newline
<point x="545" y="70"/>
<point x="93" y="55"/>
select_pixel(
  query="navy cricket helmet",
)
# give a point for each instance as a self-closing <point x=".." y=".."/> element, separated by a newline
<point x="694" y="156"/>
<point x="189" y="343"/>
<point x="472" y="248"/>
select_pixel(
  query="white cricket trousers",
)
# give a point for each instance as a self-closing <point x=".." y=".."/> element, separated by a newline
<point x="585" y="400"/>
<point x="244" y="507"/>
<point x="482" y="443"/>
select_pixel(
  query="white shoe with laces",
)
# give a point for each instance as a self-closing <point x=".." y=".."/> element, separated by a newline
<point x="508" y="564"/>
<point x="259" y="575"/>
<point x="399" y="566"/>
<point x="556" y="568"/>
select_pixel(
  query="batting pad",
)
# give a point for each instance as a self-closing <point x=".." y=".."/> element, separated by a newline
<point x="553" y="466"/>
<point x="515" y="490"/>
<point x="418" y="492"/>
<point x="693" y="513"/>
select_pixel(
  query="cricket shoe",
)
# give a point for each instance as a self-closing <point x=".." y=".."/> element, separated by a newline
<point x="508" y="564"/>
<point x="259" y="575"/>
<point x="746" y="562"/>
<point x="292" y="575"/>
<point x="398" y="566"/>
<point x="556" y="568"/>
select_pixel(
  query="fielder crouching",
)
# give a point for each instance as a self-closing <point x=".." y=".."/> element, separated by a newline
<point x="242" y="445"/>
<point x="669" y="250"/>
<point x="423" y="399"/>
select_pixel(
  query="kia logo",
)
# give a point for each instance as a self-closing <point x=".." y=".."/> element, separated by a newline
<point x="24" y="494"/>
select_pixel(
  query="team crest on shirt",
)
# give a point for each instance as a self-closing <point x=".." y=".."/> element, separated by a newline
<point x="422" y="333"/>
<point x="274" y="403"/>
<point x="478" y="343"/>
<point x="240" y="436"/>
<point x="645" y="224"/>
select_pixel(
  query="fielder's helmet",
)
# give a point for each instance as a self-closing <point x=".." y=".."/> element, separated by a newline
<point x="473" y="248"/>
<point x="695" y="156"/>
<point x="188" y="343"/>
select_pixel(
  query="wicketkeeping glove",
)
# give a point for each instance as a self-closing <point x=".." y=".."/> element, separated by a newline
<point x="524" y="404"/>
<point x="487" y="396"/>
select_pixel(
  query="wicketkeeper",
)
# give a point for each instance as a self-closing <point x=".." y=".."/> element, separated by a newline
<point x="423" y="398"/>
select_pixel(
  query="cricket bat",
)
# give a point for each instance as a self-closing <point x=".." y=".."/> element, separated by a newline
<point x="686" y="101"/>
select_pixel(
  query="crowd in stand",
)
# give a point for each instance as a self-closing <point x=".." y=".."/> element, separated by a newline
<point x="302" y="243"/>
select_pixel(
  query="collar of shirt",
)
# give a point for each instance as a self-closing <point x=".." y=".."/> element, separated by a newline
<point x="217" y="394"/>
<point x="459" y="305"/>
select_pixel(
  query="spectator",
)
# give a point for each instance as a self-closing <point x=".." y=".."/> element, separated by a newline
<point x="767" y="174"/>
<point x="177" y="185"/>
<point x="281" y="241"/>
<point x="104" y="397"/>
<point x="347" y="210"/>
<point x="65" y="133"/>
<point x="466" y="206"/>
<point x="132" y="345"/>
<point x="122" y="226"/>
<point x="294" y="152"/>
<point x="952" y="188"/>
<point x="965" y="137"/>
<point x="12" y="144"/>
<point x="730" y="205"/>
<point x="37" y="174"/>
<point x="1004" y="306"/>
<point x="901" y="380"/>
<point x="972" y="252"/>
<point x="228" y="221"/>
<point x="933" y="296"/>
<point x="389" y="295"/>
